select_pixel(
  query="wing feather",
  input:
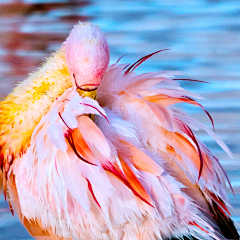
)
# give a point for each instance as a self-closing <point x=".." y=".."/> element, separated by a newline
<point x="147" y="102"/>
<point x="107" y="177"/>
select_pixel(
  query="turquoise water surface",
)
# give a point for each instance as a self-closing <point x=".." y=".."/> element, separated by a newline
<point x="204" y="42"/>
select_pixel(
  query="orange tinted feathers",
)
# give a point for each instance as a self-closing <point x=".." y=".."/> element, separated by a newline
<point x="81" y="146"/>
<point x="140" y="160"/>
<point x="133" y="180"/>
<point x="177" y="143"/>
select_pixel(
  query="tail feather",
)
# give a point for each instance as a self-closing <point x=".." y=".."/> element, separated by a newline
<point x="225" y="223"/>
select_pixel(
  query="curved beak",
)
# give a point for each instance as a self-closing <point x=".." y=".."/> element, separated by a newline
<point x="88" y="91"/>
<point x="89" y="87"/>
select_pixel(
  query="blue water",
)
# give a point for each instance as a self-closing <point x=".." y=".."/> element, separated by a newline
<point x="204" y="42"/>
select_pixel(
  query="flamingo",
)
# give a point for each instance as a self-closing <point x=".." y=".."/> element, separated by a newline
<point x="91" y="151"/>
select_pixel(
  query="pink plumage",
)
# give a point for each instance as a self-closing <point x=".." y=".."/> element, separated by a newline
<point x="135" y="170"/>
<point x="87" y="55"/>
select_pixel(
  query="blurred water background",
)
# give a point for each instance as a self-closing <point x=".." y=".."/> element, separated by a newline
<point x="203" y="35"/>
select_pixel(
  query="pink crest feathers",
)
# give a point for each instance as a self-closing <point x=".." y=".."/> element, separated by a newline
<point x="87" y="55"/>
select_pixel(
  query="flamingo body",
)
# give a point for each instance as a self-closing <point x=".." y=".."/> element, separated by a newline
<point x="133" y="171"/>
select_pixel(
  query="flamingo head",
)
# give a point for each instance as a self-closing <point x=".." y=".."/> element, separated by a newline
<point x="87" y="56"/>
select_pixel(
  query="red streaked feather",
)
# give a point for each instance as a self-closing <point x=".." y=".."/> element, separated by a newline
<point x="220" y="204"/>
<point x="183" y="127"/>
<point x="120" y="175"/>
<point x="64" y="121"/>
<point x="195" y="224"/>
<point x="95" y="109"/>
<point x="72" y="145"/>
<point x="81" y="146"/>
<point x="119" y="59"/>
<point x="127" y="66"/>
<point x="140" y="61"/>
<point x="199" y="105"/>
<point x="91" y="191"/>
<point x="133" y="180"/>
<point x="163" y="99"/>
<point x="192" y="136"/>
